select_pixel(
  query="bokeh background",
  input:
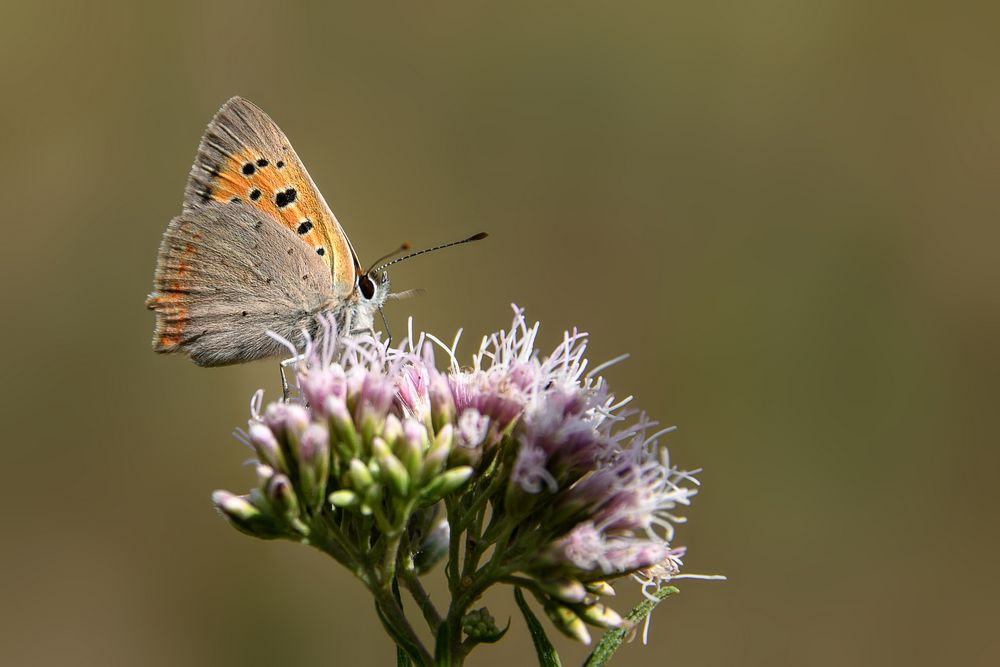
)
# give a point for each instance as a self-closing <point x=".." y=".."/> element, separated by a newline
<point x="787" y="212"/>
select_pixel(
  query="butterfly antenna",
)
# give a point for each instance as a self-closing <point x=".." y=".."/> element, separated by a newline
<point x="403" y="248"/>
<point x="475" y="237"/>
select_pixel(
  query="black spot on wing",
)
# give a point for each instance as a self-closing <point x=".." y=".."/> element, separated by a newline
<point x="305" y="226"/>
<point x="283" y="199"/>
<point x="262" y="163"/>
<point x="255" y="194"/>
<point x="320" y="251"/>
<point x="249" y="169"/>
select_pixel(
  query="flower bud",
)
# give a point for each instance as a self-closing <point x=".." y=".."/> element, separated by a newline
<point x="564" y="589"/>
<point x="281" y="495"/>
<point x="410" y="448"/>
<point x="602" y="588"/>
<point x="442" y="402"/>
<point x="600" y="615"/>
<point x="360" y="476"/>
<point x="288" y="422"/>
<point x="373" y="401"/>
<point x="392" y="430"/>
<point x="264" y="474"/>
<point x="266" y="445"/>
<point x="314" y="464"/>
<point x="344" y="498"/>
<point x="481" y="628"/>
<point x="319" y="382"/>
<point x="345" y="442"/>
<point x="243" y="516"/>
<point x="372" y="498"/>
<point x="432" y="547"/>
<point x="391" y="469"/>
<point x="438" y="453"/>
<point x="233" y="506"/>
<point x="567" y="622"/>
<point x="445" y="483"/>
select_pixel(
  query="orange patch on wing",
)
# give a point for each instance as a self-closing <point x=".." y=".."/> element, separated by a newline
<point x="173" y="289"/>
<point x="288" y="195"/>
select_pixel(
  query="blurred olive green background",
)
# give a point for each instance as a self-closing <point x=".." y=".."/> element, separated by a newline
<point x="787" y="212"/>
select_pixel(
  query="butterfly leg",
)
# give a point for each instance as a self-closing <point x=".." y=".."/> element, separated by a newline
<point x="291" y="361"/>
<point x="284" y="383"/>
<point x="385" y="323"/>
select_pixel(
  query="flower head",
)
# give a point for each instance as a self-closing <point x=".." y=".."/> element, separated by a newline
<point x="577" y="490"/>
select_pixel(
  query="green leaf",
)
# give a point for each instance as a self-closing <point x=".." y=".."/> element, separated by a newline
<point x="493" y="639"/>
<point x="442" y="647"/>
<point x="612" y="639"/>
<point x="547" y="656"/>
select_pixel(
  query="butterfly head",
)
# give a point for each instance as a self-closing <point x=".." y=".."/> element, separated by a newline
<point x="373" y="287"/>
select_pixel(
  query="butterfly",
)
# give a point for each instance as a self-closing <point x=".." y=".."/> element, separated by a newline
<point x="256" y="249"/>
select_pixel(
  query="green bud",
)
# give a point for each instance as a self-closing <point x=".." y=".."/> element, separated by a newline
<point x="602" y="588"/>
<point x="370" y="426"/>
<point x="344" y="498"/>
<point x="243" y="516"/>
<point x="481" y="628"/>
<point x="394" y="474"/>
<point x="295" y="421"/>
<point x="372" y="498"/>
<point x="264" y="474"/>
<point x="266" y="445"/>
<point x="314" y="464"/>
<point x="392" y="431"/>
<point x="432" y="548"/>
<point x="360" y="476"/>
<point x="345" y="441"/>
<point x="567" y="622"/>
<point x="564" y="589"/>
<point x="438" y="453"/>
<point x="234" y="507"/>
<point x="281" y="495"/>
<point x="445" y="483"/>
<point x="600" y="615"/>
<point x="411" y="446"/>
<point x="442" y="403"/>
<point x="518" y="503"/>
<point x="379" y="447"/>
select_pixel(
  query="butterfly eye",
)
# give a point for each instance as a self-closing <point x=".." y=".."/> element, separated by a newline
<point x="366" y="286"/>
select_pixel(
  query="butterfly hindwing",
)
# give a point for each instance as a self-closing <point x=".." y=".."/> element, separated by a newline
<point x="245" y="158"/>
<point x="228" y="273"/>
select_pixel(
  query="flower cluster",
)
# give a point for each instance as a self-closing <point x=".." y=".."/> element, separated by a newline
<point x="520" y="469"/>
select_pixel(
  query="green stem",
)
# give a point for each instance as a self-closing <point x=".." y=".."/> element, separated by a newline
<point x="392" y="617"/>
<point x="454" y="579"/>
<point x="394" y="537"/>
<point x="412" y="583"/>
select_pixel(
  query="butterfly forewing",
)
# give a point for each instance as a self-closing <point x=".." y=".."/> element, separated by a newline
<point x="245" y="158"/>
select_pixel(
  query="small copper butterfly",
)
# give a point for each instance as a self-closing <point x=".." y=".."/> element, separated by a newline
<point x="255" y="249"/>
